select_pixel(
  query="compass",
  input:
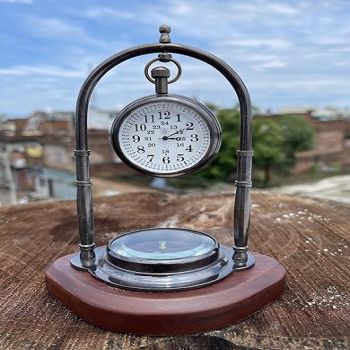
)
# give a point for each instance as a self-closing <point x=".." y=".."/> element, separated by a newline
<point x="163" y="259"/>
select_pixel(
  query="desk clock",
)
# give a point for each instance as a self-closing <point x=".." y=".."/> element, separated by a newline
<point x="165" y="281"/>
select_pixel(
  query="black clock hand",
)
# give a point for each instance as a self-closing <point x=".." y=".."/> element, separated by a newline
<point x="175" y="133"/>
<point x="169" y="138"/>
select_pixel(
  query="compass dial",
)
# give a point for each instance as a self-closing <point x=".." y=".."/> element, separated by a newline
<point x="166" y="136"/>
<point x="163" y="244"/>
<point x="163" y="250"/>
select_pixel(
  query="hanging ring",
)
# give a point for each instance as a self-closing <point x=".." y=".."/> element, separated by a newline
<point x="179" y="69"/>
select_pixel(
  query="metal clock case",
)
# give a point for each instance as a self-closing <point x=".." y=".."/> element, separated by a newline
<point x="195" y="117"/>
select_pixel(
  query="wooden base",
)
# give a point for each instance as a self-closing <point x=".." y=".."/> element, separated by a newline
<point x="230" y="300"/>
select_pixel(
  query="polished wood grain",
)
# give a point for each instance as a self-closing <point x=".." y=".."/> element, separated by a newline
<point x="167" y="313"/>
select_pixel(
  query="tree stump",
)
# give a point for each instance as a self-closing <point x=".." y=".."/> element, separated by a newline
<point x="309" y="237"/>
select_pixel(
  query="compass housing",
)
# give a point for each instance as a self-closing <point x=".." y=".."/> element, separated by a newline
<point x="163" y="259"/>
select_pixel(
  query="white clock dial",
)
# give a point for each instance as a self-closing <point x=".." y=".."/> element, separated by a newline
<point x="165" y="136"/>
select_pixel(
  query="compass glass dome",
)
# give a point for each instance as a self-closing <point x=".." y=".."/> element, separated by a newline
<point x="163" y="259"/>
<point x="162" y="244"/>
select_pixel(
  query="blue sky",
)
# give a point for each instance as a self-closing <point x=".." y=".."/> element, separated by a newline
<point x="289" y="53"/>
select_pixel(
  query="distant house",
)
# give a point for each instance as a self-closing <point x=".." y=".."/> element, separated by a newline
<point x="36" y="153"/>
<point x="332" y="138"/>
<point x="100" y="119"/>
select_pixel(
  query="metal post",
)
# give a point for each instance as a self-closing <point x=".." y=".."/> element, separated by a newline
<point x="85" y="209"/>
<point x="242" y="206"/>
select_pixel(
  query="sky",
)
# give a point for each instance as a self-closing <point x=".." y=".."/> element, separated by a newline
<point x="288" y="53"/>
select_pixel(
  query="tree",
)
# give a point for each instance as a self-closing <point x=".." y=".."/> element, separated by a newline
<point x="275" y="143"/>
<point x="268" y="145"/>
<point x="297" y="134"/>
<point x="224" y="165"/>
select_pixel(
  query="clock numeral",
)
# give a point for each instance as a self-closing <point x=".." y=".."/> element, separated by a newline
<point x="180" y="144"/>
<point x="164" y="115"/>
<point x="164" y="123"/>
<point x="165" y="151"/>
<point x="155" y="126"/>
<point x="150" y="157"/>
<point x="149" y="132"/>
<point x="166" y="160"/>
<point x="194" y="137"/>
<point x="173" y="126"/>
<point x="180" y="157"/>
<point x="189" y="148"/>
<point x="136" y="138"/>
<point x="141" y="127"/>
<point x="151" y="145"/>
<point x="149" y="118"/>
<point x="189" y="126"/>
<point x="141" y="149"/>
<point x="178" y="118"/>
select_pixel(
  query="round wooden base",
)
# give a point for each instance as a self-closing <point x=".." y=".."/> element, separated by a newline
<point x="230" y="300"/>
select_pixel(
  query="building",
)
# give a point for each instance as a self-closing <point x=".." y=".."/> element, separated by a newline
<point x="331" y="149"/>
<point x="36" y="153"/>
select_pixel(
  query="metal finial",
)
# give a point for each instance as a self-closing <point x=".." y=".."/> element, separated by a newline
<point x="164" y="34"/>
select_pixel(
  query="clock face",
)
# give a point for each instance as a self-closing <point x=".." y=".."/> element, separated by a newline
<point x="166" y="136"/>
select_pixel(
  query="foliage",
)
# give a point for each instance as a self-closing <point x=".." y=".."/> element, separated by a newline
<point x="298" y="135"/>
<point x="269" y="147"/>
<point x="276" y="140"/>
<point x="223" y="166"/>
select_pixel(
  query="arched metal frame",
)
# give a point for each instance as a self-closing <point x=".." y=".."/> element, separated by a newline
<point x="244" y="155"/>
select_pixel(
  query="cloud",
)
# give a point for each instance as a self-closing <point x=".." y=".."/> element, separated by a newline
<point x="311" y="84"/>
<point x="51" y="71"/>
<point x="257" y="43"/>
<point x="282" y="9"/>
<point x="25" y="2"/>
<point x="200" y="19"/>
<point x="270" y="64"/>
<point x="103" y="12"/>
<point x="60" y="29"/>
<point x="285" y="51"/>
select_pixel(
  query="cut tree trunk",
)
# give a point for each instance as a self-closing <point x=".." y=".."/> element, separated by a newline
<point x="310" y="238"/>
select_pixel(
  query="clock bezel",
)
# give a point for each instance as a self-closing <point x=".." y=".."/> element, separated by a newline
<point x="204" y="112"/>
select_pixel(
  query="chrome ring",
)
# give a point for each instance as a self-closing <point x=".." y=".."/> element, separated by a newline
<point x="178" y="75"/>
